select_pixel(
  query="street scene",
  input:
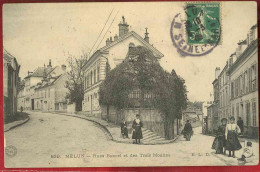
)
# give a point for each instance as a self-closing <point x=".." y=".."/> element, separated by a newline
<point x="96" y="85"/>
<point x="44" y="145"/>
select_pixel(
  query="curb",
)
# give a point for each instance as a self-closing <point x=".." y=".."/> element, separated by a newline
<point x="17" y="125"/>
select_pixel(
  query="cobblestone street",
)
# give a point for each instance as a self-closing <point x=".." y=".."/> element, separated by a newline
<point x="52" y="140"/>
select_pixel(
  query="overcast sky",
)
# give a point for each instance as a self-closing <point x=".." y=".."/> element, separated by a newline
<point x="34" y="33"/>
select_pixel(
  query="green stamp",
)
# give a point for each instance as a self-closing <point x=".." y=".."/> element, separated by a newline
<point x="203" y="23"/>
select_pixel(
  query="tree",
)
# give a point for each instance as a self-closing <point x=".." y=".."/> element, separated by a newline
<point x="142" y="71"/>
<point x="75" y="82"/>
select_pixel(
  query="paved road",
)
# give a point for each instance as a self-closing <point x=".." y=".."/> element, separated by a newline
<point x="80" y="143"/>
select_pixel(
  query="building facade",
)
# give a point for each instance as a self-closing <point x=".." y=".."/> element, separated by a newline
<point x="244" y="84"/>
<point x="224" y="93"/>
<point x="10" y="80"/>
<point x="110" y="56"/>
<point x="44" y="89"/>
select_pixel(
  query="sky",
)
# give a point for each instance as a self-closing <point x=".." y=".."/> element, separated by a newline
<point x="35" y="33"/>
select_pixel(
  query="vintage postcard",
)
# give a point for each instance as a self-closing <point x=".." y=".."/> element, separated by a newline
<point x="128" y="84"/>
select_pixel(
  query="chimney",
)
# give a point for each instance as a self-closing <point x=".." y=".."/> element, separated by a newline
<point x="217" y="72"/>
<point x="146" y="37"/>
<point x="29" y="72"/>
<point x="123" y="27"/>
<point x="49" y="65"/>
<point x="115" y="37"/>
<point x="107" y="41"/>
<point x="241" y="47"/>
<point x="110" y="39"/>
<point x="63" y="67"/>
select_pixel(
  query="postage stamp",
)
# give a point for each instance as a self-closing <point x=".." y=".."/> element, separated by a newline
<point x="203" y="23"/>
<point x="197" y="31"/>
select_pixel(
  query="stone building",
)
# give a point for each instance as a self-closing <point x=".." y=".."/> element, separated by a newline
<point x="10" y="80"/>
<point x="112" y="54"/>
<point x="224" y="93"/>
<point x="244" y="83"/>
<point x="50" y="95"/>
<point x="28" y="98"/>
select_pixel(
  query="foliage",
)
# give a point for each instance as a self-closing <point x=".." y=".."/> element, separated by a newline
<point x="76" y="79"/>
<point x="141" y="70"/>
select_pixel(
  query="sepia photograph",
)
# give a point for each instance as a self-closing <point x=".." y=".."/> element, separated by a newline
<point x="130" y="84"/>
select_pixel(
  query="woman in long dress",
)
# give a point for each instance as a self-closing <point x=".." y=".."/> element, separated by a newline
<point x="232" y="142"/>
<point x="220" y="141"/>
<point x="137" y="129"/>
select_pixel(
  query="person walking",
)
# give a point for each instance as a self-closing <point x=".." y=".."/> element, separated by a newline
<point x="137" y="130"/>
<point x="187" y="131"/>
<point x="231" y="133"/>
<point x="124" y="130"/>
<point x="219" y="142"/>
<point x="240" y="123"/>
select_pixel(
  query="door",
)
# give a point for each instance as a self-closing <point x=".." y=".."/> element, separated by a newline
<point x="248" y="114"/>
<point x="32" y="104"/>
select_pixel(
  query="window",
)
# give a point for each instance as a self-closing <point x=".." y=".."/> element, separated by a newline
<point x="246" y="82"/>
<point x="253" y="77"/>
<point x="233" y="109"/>
<point x="248" y="120"/>
<point x="98" y="72"/>
<point x="91" y="78"/>
<point x="254" y="113"/>
<point x="95" y="76"/>
<point x="232" y="90"/>
<point x="237" y="110"/>
<point x="87" y="80"/>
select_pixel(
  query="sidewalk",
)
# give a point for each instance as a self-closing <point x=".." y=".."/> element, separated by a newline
<point x="15" y="124"/>
<point x="113" y="132"/>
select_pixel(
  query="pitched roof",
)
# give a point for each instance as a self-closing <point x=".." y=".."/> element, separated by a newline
<point x="122" y="38"/>
<point x="46" y="84"/>
<point x="132" y="33"/>
<point x="41" y="72"/>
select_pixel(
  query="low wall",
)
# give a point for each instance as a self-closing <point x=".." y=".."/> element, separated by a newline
<point x="71" y="108"/>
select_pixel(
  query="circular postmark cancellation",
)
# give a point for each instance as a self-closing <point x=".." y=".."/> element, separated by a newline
<point x="197" y="31"/>
<point x="10" y="151"/>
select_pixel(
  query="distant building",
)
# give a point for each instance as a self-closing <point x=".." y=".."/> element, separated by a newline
<point x="244" y="83"/>
<point x="39" y="84"/>
<point x="50" y="95"/>
<point x="10" y="77"/>
<point x="110" y="56"/>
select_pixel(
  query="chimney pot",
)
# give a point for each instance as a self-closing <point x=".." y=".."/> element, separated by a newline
<point x="146" y="37"/>
<point x="115" y="37"/>
<point x="123" y="27"/>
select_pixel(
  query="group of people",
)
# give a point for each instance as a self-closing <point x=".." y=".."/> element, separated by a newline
<point x="227" y="140"/>
<point x="137" y="134"/>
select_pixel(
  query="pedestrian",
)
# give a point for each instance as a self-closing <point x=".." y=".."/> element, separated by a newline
<point x="231" y="133"/>
<point x="187" y="131"/>
<point x="240" y="123"/>
<point x="137" y="130"/>
<point x="21" y="109"/>
<point x="247" y="151"/>
<point x="219" y="142"/>
<point x="124" y="130"/>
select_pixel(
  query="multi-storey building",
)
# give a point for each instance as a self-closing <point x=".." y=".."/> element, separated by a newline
<point x="42" y="78"/>
<point x="113" y="54"/>
<point x="244" y="83"/>
<point x="50" y="95"/>
<point x="224" y="93"/>
<point x="10" y="77"/>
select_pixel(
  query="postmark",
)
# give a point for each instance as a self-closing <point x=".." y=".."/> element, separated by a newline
<point x="196" y="31"/>
<point x="10" y="151"/>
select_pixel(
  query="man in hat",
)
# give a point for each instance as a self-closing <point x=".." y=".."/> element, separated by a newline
<point x="137" y="130"/>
